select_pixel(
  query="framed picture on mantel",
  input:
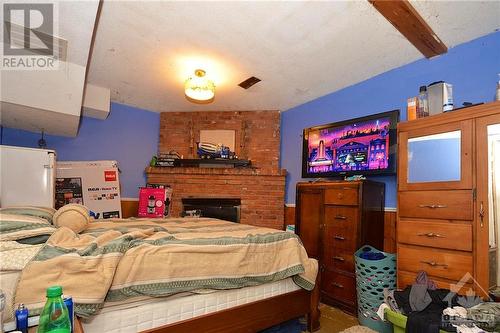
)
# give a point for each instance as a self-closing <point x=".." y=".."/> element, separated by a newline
<point x="224" y="137"/>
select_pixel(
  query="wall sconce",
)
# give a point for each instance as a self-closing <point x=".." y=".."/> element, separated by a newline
<point x="198" y="89"/>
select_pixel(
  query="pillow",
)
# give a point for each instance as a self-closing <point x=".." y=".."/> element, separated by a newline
<point x="14" y="227"/>
<point x="46" y="213"/>
<point x="73" y="216"/>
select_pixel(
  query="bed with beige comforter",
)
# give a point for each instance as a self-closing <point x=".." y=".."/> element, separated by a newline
<point x="124" y="260"/>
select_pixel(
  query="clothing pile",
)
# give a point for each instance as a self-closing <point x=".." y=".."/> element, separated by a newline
<point x="430" y="309"/>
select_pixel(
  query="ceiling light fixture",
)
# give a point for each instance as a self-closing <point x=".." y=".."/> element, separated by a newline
<point x="198" y="89"/>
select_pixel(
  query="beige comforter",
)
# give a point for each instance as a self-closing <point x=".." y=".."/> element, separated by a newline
<point x="121" y="260"/>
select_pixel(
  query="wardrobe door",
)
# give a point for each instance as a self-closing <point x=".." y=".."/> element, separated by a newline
<point x="486" y="227"/>
<point x="437" y="157"/>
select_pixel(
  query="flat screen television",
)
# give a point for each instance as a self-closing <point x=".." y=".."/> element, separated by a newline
<point x="361" y="146"/>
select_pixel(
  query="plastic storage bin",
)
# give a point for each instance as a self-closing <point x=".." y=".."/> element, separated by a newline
<point x="372" y="276"/>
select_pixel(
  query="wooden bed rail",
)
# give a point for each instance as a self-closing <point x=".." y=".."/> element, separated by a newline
<point x="255" y="316"/>
<point x="251" y="317"/>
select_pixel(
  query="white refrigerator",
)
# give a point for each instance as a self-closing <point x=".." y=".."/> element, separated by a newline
<point x="95" y="184"/>
<point x="26" y="176"/>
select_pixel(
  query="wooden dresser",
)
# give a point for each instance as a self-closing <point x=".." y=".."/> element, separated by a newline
<point x="445" y="205"/>
<point x="334" y="219"/>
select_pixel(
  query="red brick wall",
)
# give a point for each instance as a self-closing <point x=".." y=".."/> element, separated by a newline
<point x="257" y="134"/>
<point x="262" y="196"/>
<point x="257" y="137"/>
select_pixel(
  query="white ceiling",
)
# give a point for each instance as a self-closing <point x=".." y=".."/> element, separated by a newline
<point x="144" y="51"/>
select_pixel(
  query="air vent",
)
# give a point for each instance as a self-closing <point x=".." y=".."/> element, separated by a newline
<point x="249" y="82"/>
<point x="17" y="33"/>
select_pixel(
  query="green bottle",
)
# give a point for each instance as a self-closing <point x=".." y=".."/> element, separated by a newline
<point x="55" y="316"/>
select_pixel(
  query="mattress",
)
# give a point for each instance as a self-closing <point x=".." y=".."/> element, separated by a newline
<point x="139" y="316"/>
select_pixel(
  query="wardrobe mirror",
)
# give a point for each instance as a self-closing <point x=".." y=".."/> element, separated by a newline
<point x="434" y="158"/>
<point x="494" y="200"/>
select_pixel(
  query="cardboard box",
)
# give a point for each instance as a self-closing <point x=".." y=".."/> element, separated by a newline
<point x="151" y="202"/>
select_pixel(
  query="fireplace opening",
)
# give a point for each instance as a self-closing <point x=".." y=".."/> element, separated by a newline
<point x="220" y="208"/>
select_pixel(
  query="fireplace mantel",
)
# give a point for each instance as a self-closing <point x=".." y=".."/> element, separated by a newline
<point x="244" y="171"/>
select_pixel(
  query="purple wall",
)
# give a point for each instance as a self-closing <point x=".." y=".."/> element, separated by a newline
<point x="129" y="135"/>
<point x="471" y="67"/>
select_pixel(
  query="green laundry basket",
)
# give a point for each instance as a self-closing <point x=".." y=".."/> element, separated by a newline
<point x="398" y="321"/>
<point x="372" y="276"/>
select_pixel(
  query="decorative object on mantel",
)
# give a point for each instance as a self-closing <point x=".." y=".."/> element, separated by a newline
<point x="207" y="150"/>
<point x="198" y="89"/>
<point x="165" y="160"/>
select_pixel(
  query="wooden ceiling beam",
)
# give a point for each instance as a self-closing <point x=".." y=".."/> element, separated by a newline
<point x="410" y="24"/>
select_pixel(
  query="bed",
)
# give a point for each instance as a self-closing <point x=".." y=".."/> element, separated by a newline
<point x="170" y="275"/>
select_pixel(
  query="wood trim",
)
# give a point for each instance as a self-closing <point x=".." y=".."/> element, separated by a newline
<point x="129" y="208"/>
<point x="254" y="316"/>
<point x="289" y="215"/>
<point x="410" y="24"/>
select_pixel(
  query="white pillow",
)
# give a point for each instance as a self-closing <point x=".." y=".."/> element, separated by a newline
<point x="73" y="216"/>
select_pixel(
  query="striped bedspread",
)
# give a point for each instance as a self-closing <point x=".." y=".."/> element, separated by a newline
<point x="123" y="260"/>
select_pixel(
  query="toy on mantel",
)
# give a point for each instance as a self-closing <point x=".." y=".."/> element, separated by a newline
<point x="210" y="150"/>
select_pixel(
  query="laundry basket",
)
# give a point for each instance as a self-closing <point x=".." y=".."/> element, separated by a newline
<point x="372" y="276"/>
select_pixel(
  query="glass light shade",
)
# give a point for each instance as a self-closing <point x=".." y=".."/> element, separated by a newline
<point x="198" y="89"/>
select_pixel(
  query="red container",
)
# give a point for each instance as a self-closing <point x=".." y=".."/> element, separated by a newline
<point x="151" y="202"/>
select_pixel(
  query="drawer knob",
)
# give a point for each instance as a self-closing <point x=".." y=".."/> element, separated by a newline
<point x="340" y="195"/>
<point x="339" y="237"/>
<point x="431" y="235"/>
<point x="338" y="285"/>
<point x="339" y="258"/>
<point x="434" y="264"/>
<point x="432" y="206"/>
<point x="340" y="217"/>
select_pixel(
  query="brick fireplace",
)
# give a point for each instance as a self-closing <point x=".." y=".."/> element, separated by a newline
<point x="261" y="187"/>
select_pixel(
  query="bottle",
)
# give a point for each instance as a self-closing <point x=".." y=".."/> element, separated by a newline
<point x="68" y="301"/>
<point x="22" y="318"/>
<point x="54" y="317"/>
<point x="497" y="96"/>
<point x="423" y="102"/>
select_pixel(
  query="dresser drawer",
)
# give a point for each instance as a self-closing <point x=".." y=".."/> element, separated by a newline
<point x="446" y="235"/>
<point x="342" y="195"/>
<point x="408" y="278"/>
<point x="444" y="205"/>
<point x="339" y="238"/>
<point x="340" y="260"/>
<point x="341" y="216"/>
<point x="446" y="264"/>
<point x="339" y="286"/>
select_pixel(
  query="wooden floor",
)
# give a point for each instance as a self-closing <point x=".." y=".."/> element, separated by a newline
<point x="334" y="320"/>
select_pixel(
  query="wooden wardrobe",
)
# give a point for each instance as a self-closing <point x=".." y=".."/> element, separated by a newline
<point x="334" y="219"/>
<point x="447" y="198"/>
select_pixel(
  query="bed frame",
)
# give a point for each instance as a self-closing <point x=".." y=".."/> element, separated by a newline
<point x="255" y="316"/>
<point x="251" y="317"/>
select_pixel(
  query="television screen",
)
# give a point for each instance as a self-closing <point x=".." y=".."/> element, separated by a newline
<point x="358" y="146"/>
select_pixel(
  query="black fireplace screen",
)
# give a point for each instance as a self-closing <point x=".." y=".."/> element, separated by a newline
<point x="221" y="208"/>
